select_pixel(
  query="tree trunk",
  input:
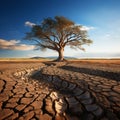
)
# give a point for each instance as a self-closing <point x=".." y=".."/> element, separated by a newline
<point x="60" y="53"/>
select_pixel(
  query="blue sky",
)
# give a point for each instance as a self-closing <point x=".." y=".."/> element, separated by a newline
<point x="100" y="17"/>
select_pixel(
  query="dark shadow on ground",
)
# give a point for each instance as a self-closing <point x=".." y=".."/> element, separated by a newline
<point x="50" y="63"/>
<point x="105" y="74"/>
<point x="54" y="84"/>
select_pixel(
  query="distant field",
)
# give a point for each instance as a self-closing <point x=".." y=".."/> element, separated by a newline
<point x="22" y="60"/>
<point x="102" y="61"/>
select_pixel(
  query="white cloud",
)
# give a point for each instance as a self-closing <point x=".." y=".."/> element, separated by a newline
<point x="14" y="45"/>
<point x="87" y="28"/>
<point x="7" y="43"/>
<point x="30" y="24"/>
<point x="23" y="47"/>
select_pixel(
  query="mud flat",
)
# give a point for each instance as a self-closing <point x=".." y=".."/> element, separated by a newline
<point x="74" y="90"/>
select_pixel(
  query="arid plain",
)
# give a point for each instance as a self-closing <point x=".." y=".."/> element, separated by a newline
<point x="71" y="90"/>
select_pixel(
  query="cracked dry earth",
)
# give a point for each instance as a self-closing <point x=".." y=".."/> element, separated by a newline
<point x="59" y="91"/>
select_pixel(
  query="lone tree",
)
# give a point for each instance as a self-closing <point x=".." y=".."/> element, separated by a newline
<point x="57" y="33"/>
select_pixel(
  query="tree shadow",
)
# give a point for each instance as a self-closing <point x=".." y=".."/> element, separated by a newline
<point x="105" y="74"/>
<point x="49" y="63"/>
<point x="58" y="93"/>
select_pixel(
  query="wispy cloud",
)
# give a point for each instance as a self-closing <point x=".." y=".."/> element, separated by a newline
<point x="14" y="45"/>
<point x="30" y="24"/>
<point x="87" y="28"/>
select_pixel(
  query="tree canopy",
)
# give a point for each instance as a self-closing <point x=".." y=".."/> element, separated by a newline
<point x="57" y="33"/>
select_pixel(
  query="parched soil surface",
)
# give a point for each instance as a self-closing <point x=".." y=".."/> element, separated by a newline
<point x="82" y="90"/>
